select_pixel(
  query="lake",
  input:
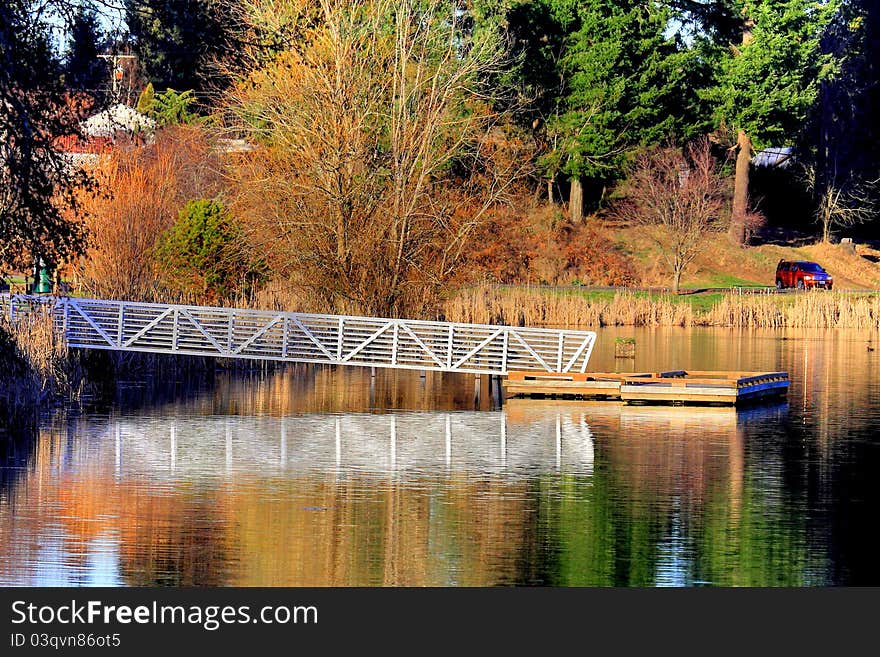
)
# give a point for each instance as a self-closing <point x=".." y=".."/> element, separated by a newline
<point x="316" y="476"/>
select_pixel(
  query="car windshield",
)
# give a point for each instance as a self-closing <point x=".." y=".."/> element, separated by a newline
<point x="811" y="267"/>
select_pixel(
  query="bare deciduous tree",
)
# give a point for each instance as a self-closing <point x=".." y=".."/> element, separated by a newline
<point x="382" y="153"/>
<point x="841" y="204"/>
<point x="677" y="196"/>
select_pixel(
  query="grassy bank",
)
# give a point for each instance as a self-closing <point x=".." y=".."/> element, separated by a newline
<point x="525" y="306"/>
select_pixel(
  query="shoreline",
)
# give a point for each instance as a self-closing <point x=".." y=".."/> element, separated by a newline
<point x="40" y="372"/>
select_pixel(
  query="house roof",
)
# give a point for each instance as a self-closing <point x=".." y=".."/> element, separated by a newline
<point x="118" y="118"/>
<point x="773" y="156"/>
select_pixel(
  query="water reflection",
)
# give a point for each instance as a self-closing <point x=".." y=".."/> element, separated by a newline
<point x="435" y="498"/>
<point x="178" y="500"/>
<point x="409" y="445"/>
<point x="316" y="476"/>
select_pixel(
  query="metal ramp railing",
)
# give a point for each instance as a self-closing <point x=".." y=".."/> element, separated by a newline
<point x="311" y="338"/>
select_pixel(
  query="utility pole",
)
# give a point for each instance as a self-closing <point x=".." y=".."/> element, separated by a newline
<point x="116" y="72"/>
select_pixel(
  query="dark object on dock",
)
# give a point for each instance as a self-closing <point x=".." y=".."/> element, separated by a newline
<point x="674" y="387"/>
<point x="624" y="347"/>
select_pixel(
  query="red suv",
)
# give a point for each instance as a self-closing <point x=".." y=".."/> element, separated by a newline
<point x="802" y="274"/>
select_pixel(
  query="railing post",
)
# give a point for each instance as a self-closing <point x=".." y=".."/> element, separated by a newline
<point x="174" y="330"/>
<point x="119" y="331"/>
<point x="230" y="332"/>
<point x="66" y="319"/>
<point x="339" y="338"/>
<point x="559" y="354"/>
<point x="504" y="351"/>
<point x="449" y="349"/>
<point x="284" y="331"/>
<point x="394" y="344"/>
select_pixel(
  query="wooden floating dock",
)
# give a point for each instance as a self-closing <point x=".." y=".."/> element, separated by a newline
<point x="674" y="387"/>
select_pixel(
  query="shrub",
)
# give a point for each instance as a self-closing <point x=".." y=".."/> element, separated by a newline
<point x="205" y="254"/>
<point x="538" y="245"/>
<point x="167" y="108"/>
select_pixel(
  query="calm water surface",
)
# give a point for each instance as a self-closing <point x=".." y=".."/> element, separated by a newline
<point x="317" y="476"/>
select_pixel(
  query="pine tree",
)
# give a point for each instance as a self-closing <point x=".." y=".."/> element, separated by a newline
<point x="771" y="79"/>
<point x="178" y="41"/>
<point x="83" y="70"/>
<point x="147" y="99"/>
<point x="623" y="85"/>
<point x="768" y="82"/>
<point x="35" y="181"/>
<point x="839" y="147"/>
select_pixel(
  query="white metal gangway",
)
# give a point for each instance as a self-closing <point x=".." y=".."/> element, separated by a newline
<point x="309" y="338"/>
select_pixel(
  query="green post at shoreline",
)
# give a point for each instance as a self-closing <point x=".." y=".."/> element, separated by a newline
<point x="43" y="279"/>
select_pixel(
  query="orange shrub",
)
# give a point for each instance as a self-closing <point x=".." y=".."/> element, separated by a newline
<point x="140" y="192"/>
<point x="539" y="245"/>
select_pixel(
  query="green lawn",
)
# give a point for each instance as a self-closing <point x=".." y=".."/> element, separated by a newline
<point x="724" y="280"/>
<point x="701" y="302"/>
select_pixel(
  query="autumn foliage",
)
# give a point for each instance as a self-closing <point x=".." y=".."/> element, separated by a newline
<point x="522" y="244"/>
<point x="382" y="155"/>
<point x="140" y="192"/>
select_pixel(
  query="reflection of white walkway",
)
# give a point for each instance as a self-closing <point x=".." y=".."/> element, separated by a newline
<point x="409" y="444"/>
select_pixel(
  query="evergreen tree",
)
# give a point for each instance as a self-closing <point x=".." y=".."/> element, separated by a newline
<point x="35" y="181"/>
<point x="83" y="69"/>
<point x="716" y="21"/>
<point x="204" y="253"/>
<point x="179" y="41"/>
<point x="623" y="85"/>
<point x="535" y="40"/>
<point x="146" y="100"/>
<point x="839" y="147"/>
<point x="171" y="107"/>
<point x="770" y="81"/>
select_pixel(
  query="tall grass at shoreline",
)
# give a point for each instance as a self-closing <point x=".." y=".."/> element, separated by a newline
<point x="540" y="306"/>
<point x="35" y="366"/>
<point x="536" y="307"/>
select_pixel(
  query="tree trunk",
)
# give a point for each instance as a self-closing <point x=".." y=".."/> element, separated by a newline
<point x="826" y="223"/>
<point x="576" y="201"/>
<point x="737" y="231"/>
<point x="550" y="191"/>
<point x="676" y="280"/>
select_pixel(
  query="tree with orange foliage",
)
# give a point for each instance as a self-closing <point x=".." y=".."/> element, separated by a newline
<point x="141" y="191"/>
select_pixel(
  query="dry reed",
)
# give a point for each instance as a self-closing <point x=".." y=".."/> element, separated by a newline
<point x="524" y="306"/>
<point x="806" y="310"/>
<point x="535" y="307"/>
<point x="37" y="366"/>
